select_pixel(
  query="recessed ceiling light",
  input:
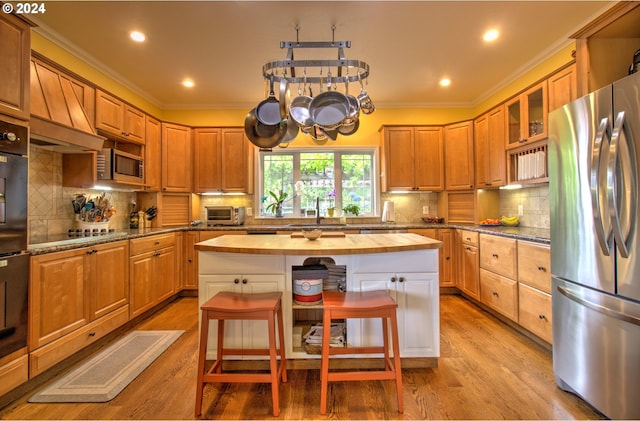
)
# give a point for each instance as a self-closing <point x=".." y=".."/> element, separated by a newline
<point x="137" y="36"/>
<point x="491" y="35"/>
<point x="188" y="83"/>
<point x="445" y="82"/>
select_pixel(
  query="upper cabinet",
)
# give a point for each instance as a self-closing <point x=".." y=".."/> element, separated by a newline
<point x="459" y="157"/>
<point x="413" y="158"/>
<point x="526" y="116"/>
<point x="490" y="157"/>
<point x="117" y="118"/>
<point x="222" y="160"/>
<point x="176" y="158"/>
<point x="15" y="49"/>
<point x="563" y="87"/>
<point x="152" y="154"/>
<point x="605" y="47"/>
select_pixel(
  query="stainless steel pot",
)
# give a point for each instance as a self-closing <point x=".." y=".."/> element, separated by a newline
<point x="329" y="108"/>
<point x="262" y="135"/>
<point x="299" y="110"/>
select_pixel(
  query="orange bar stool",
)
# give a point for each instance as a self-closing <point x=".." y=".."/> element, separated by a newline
<point x="235" y="306"/>
<point x="360" y="305"/>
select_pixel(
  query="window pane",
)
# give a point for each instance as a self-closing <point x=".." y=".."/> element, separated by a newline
<point x="277" y="177"/>
<point x="356" y="182"/>
<point x="317" y="174"/>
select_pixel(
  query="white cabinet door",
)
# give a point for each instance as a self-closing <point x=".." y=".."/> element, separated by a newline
<point x="417" y="298"/>
<point x="238" y="333"/>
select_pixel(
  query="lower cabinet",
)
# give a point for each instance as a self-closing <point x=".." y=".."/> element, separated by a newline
<point x="14" y="373"/>
<point x="76" y="297"/>
<point x="445" y="252"/>
<point x="500" y="293"/>
<point x="534" y="289"/>
<point x="412" y="291"/>
<point x="468" y="264"/>
<point x="152" y="271"/>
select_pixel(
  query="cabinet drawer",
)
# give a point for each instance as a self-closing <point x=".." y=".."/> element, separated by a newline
<point x="534" y="262"/>
<point x="499" y="293"/>
<point x="534" y="312"/>
<point x="49" y="355"/>
<point x="499" y="255"/>
<point x="469" y="237"/>
<point x="154" y="242"/>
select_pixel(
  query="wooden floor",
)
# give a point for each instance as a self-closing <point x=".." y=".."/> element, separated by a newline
<point x="486" y="371"/>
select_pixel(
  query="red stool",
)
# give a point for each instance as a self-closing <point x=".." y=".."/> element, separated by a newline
<point x="360" y="305"/>
<point x="235" y="306"/>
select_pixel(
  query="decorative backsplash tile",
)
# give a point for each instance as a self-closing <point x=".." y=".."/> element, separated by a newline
<point x="50" y="209"/>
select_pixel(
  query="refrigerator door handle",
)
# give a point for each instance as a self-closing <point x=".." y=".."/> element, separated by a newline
<point x="598" y="307"/>
<point x="622" y="151"/>
<point x="594" y="181"/>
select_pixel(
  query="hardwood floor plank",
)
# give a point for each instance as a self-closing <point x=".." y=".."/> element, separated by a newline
<point x="487" y="370"/>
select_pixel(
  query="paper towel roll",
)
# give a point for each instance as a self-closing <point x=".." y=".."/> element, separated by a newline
<point x="388" y="212"/>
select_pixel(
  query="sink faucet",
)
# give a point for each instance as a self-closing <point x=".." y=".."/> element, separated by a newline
<point x="318" y="218"/>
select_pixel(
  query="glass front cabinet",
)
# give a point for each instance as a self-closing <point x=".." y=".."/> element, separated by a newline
<point x="527" y="116"/>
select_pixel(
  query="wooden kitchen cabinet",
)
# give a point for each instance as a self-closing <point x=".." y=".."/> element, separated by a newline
<point x="190" y="260"/>
<point x="490" y="156"/>
<point x="459" y="156"/>
<point x="445" y="252"/>
<point x="500" y="293"/>
<point x="176" y="158"/>
<point x="526" y="116"/>
<point x="222" y="160"/>
<point x="76" y="297"/>
<point x="413" y="158"/>
<point x="15" y="45"/>
<point x="117" y="118"/>
<point x="468" y="277"/>
<point x="152" y="271"/>
<point x="534" y="289"/>
<point x="499" y="255"/>
<point x="152" y="154"/>
<point x="563" y="87"/>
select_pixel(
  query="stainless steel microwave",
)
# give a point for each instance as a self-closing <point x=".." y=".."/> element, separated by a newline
<point x="116" y="165"/>
<point x="225" y="215"/>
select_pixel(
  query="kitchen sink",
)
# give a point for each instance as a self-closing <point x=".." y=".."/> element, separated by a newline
<point x="317" y="225"/>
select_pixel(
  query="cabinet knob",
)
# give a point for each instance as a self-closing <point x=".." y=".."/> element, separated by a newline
<point x="542" y="269"/>
<point x="495" y="255"/>
<point x="92" y="334"/>
<point x="190" y="260"/>
<point x="244" y="281"/>
<point x="393" y="279"/>
<point x="236" y="281"/>
<point x="542" y="317"/>
<point x="495" y="294"/>
<point x="447" y="258"/>
<point x="401" y="279"/>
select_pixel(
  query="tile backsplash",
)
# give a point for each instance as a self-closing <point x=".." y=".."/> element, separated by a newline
<point x="535" y="205"/>
<point x="50" y="209"/>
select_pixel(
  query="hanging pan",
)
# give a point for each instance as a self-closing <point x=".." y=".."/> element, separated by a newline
<point x="262" y="135"/>
<point x="268" y="111"/>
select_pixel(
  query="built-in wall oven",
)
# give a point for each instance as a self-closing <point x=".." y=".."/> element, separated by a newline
<point x="14" y="260"/>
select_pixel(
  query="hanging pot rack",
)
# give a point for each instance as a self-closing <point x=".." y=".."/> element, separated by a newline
<point x="295" y="71"/>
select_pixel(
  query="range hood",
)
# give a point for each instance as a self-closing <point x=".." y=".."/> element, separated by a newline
<point x="58" y="119"/>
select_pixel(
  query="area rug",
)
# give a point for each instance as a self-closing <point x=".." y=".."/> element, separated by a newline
<point x="105" y="375"/>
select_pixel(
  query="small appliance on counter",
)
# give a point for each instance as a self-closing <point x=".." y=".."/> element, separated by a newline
<point x="388" y="212"/>
<point x="225" y="215"/>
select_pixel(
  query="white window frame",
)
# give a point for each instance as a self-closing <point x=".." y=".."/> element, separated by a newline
<point x="375" y="178"/>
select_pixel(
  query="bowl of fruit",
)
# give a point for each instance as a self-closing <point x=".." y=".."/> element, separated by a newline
<point x="490" y="222"/>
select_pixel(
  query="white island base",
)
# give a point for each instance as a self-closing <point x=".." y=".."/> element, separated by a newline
<point x="408" y="273"/>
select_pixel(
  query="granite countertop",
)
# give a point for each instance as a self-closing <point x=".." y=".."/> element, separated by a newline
<point x="60" y="242"/>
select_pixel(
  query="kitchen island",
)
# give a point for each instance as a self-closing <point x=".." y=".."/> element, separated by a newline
<point x="406" y="265"/>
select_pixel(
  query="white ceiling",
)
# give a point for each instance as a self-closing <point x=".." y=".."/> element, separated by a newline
<point x="222" y="45"/>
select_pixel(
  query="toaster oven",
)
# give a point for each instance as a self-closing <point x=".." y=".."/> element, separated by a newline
<point x="225" y="215"/>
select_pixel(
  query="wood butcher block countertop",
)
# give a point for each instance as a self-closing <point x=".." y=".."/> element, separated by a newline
<point x="349" y="244"/>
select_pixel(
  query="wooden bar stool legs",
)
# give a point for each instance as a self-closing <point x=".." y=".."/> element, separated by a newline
<point x="234" y="306"/>
<point x="371" y="304"/>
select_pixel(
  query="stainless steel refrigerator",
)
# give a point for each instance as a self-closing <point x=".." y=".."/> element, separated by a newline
<point x="594" y="147"/>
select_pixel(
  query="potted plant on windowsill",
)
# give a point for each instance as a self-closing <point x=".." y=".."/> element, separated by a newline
<point x="331" y="209"/>
<point x="275" y="207"/>
<point x="351" y="209"/>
